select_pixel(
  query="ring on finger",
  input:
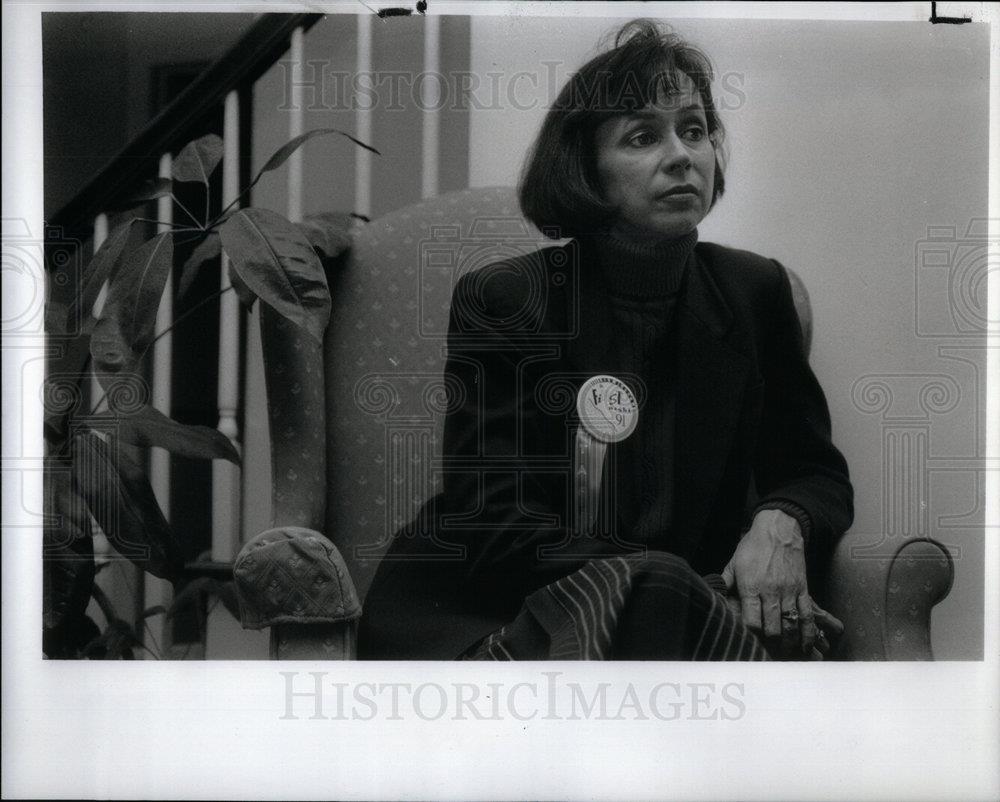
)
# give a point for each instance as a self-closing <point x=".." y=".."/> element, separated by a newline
<point x="790" y="615"/>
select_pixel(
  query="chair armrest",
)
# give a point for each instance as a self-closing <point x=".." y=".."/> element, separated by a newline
<point x="292" y="575"/>
<point x="295" y="581"/>
<point x="921" y="576"/>
<point x="296" y="407"/>
<point x="291" y="578"/>
<point x="885" y="601"/>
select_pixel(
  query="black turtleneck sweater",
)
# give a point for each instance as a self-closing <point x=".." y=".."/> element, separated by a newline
<point x="643" y="279"/>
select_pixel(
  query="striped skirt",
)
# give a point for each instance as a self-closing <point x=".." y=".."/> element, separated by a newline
<point x="632" y="607"/>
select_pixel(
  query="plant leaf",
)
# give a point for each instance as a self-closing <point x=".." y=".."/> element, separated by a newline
<point x="73" y="353"/>
<point x="329" y="233"/>
<point x="243" y="292"/>
<point x="68" y="641"/>
<point x="281" y="154"/>
<point x="114" y="643"/>
<point x="102" y="267"/>
<point x="121" y="500"/>
<point x="198" y="159"/>
<point x="128" y="322"/>
<point x="63" y="381"/>
<point x="68" y="550"/>
<point x="149" y="190"/>
<point x="209" y="248"/>
<point x="278" y="264"/>
<point x="150" y="427"/>
<point x="226" y="592"/>
<point x="199" y="590"/>
<point x="110" y="350"/>
<point x="56" y="317"/>
<point x="193" y="593"/>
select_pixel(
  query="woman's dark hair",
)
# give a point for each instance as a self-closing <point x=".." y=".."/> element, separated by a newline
<point x="559" y="188"/>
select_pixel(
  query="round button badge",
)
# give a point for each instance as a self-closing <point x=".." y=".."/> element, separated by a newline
<point x="607" y="408"/>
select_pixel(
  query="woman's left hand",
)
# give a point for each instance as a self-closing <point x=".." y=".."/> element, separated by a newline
<point x="768" y="571"/>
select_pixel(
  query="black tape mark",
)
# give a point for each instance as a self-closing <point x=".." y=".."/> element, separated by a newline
<point x="935" y="19"/>
<point x="385" y="13"/>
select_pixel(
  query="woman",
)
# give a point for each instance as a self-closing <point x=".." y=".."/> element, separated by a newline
<point x="718" y="513"/>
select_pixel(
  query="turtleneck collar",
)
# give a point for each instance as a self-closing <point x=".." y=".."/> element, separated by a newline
<point x="643" y="267"/>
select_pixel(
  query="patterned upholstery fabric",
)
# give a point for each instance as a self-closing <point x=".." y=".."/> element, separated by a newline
<point x="293" y="575"/>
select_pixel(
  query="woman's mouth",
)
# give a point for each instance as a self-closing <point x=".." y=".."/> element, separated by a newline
<point x="678" y="197"/>
<point x="681" y="194"/>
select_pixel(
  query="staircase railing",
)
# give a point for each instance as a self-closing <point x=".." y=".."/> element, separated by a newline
<point x="249" y="58"/>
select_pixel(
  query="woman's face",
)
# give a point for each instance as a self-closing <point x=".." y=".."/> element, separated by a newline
<point x="657" y="165"/>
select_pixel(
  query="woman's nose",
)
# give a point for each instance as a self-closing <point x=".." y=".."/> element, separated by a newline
<point x="675" y="157"/>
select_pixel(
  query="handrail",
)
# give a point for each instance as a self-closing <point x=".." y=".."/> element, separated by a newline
<point x="244" y="62"/>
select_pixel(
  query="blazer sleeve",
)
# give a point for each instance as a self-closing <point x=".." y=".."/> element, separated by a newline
<point x="508" y="514"/>
<point x="797" y="467"/>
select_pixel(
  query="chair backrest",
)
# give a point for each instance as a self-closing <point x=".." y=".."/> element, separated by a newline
<point x="385" y="351"/>
<point x="385" y="359"/>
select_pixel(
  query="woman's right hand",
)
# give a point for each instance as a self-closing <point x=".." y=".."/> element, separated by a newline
<point x="829" y="629"/>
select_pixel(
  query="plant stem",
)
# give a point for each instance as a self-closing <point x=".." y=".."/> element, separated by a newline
<point x="235" y="201"/>
<point x="179" y="229"/>
<point x="222" y="214"/>
<point x="185" y="210"/>
<point x="134" y="593"/>
<point x="107" y="608"/>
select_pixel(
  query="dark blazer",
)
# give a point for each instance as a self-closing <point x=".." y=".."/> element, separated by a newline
<point x="751" y="425"/>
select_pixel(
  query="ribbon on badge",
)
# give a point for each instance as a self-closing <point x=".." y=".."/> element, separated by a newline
<point x="608" y="413"/>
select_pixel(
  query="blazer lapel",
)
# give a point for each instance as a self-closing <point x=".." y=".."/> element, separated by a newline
<point x="711" y="380"/>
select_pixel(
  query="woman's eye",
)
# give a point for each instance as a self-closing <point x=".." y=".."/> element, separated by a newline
<point x="642" y="138"/>
<point x="695" y="133"/>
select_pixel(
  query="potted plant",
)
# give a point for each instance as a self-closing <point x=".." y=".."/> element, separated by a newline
<point x="89" y="473"/>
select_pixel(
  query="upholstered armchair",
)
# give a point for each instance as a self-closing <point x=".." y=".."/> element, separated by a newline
<point x="356" y="429"/>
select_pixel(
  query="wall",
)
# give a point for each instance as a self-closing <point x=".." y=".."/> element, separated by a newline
<point x="848" y="141"/>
